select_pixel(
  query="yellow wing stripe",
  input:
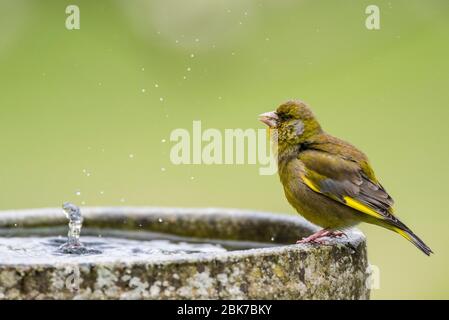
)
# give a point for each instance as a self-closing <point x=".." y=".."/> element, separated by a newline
<point x="362" y="208"/>
<point x="353" y="204"/>
<point x="310" y="184"/>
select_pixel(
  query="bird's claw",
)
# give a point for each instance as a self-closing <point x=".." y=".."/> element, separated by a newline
<point x="337" y="234"/>
<point x="305" y="240"/>
<point x="318" y="237"/>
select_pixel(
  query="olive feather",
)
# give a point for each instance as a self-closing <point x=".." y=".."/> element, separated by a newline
<point x="327" y="180"/>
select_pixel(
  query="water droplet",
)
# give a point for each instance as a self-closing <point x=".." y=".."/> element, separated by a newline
<point x="102" y="192"/>
<point x="192" y="55"/>
<point x="219" y="98"/>
<point x="161" y="99"/>
<point x="99" y="83"/>
<point x="143" y="69"/>
<point x="272" y="239"/>
<point x="192" y="178"/>
<point x="143" y="90"/>
<point x="140" y="225"/>
<point x="15" y="224"/>
<point x="160" y="220"/>
<point x="131" y="156"/>
<point x="197" y="40"/>
<point x="78" y="193"/>
<point x="156" y="85"/>
<point x="87" y="173"/>
<point x="189" y="69"/>
<point x="163" y="169"/>
<point x="83" y="203"/>
<point x="185" y="78"/>
<point x="163" y="140"/>
<point x="122" y="200"/>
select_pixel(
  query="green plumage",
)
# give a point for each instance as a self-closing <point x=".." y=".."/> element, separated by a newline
<point x="327" y="180"/>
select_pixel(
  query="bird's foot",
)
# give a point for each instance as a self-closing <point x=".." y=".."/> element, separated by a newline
<point x="337" y="234"/>
<point x="317" y="237"/>
<point x="314" y="238"/>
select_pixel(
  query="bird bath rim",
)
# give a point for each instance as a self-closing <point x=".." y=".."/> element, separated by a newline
<point x="338" y="270"/>
<point x="108" y="220"/>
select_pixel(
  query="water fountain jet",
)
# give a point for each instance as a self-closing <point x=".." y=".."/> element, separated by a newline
<point x="73" y="244"/>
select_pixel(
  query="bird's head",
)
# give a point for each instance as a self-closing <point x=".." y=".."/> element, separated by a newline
<point x="293" y="121"/>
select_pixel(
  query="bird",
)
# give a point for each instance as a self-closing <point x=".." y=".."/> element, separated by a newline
<point x="327" y="180"/>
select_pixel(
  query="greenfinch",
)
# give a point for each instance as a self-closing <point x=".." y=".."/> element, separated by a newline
<point x="327" y="180"/>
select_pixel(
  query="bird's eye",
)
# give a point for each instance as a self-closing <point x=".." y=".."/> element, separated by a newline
<point x="283" y="116"/>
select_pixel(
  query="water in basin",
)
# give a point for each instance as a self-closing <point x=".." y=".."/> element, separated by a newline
<point x="29" y="247"/>
<point x="45" y="249"/>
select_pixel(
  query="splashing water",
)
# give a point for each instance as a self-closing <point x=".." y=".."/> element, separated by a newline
<point x="73" y="244"/>
<point x="36" y="250"/>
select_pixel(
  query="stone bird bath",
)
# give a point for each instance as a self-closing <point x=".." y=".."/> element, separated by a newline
<point x="168" y="253"/>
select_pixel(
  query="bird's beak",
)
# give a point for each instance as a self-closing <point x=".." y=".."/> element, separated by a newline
<point x="269" y="118"/>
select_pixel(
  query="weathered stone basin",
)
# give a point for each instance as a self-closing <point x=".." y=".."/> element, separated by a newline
<point x="261" y="260"/>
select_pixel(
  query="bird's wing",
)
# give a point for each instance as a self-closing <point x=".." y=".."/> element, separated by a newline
<point x="350" y="180"/>
<point x="346" y="181"/>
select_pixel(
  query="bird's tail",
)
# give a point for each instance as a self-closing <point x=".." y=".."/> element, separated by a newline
<point x="404" y="231"/>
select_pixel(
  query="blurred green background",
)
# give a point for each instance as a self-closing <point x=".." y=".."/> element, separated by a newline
<point x="81" y="116"/>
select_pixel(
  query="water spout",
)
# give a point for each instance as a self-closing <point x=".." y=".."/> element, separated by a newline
<point x="73" y="244"/>
<point x="73" y="213"/>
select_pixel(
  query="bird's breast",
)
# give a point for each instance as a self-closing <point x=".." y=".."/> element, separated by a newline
<point x="313" y="206"/>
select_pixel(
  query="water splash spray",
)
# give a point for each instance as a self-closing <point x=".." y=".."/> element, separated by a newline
<point x="73" y="244"/>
